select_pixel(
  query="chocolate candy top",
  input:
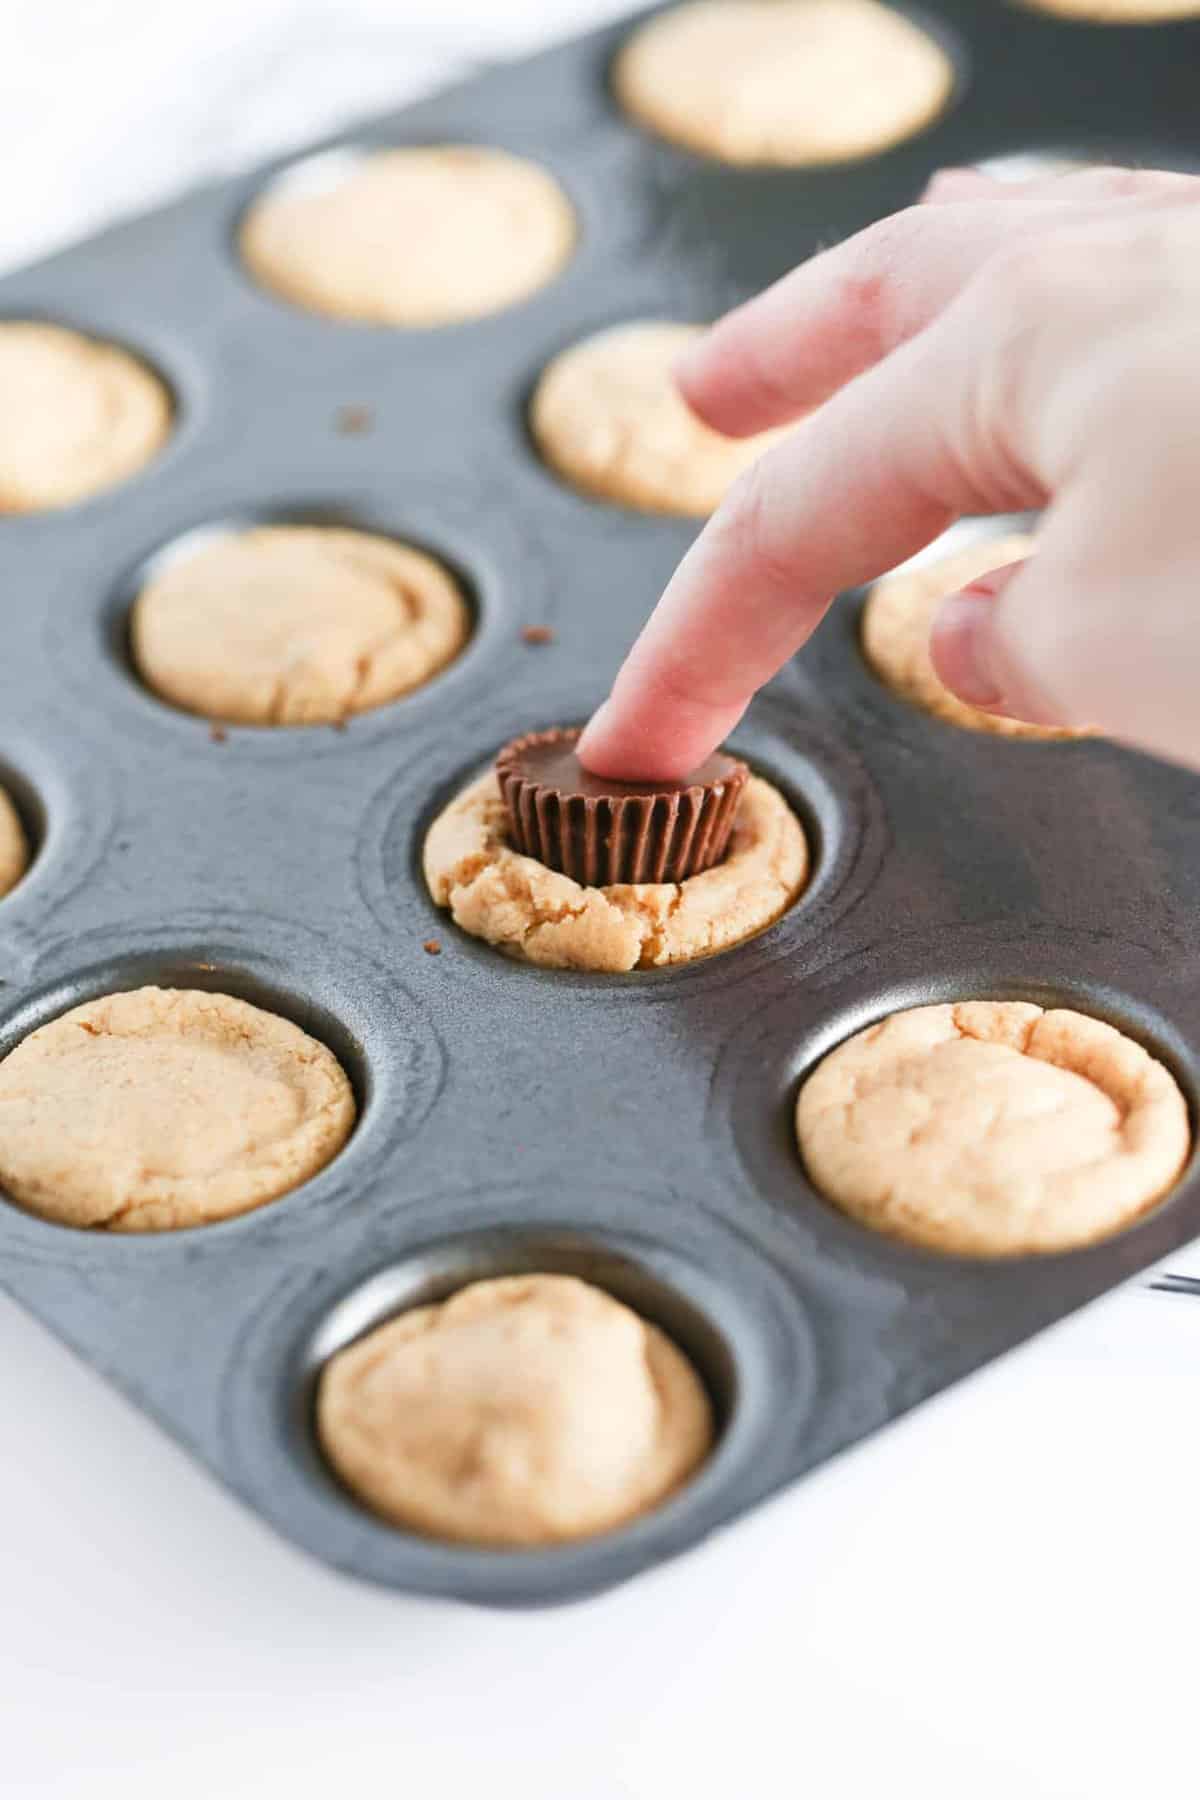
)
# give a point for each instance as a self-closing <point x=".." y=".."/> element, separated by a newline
<point x="602" y="832"/>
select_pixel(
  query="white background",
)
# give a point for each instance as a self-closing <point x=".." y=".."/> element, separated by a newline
<point x="994" y="1599"/>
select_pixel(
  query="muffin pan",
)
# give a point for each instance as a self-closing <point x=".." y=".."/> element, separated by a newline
<point x="635" y="1130"/>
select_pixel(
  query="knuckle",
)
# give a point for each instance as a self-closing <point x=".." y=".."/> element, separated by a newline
<point x="757" y="374"/>
<point x="895" y="233"/>
<point x="864" y="308"/>
<point x="890" y="240"/>
<point x="869" y="278"/>
<point x="749" y="525"/>
<point x="1025" y="277"/>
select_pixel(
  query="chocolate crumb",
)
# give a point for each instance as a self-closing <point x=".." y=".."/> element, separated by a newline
<point x="217" y="733"/>
<point x="431" y="947"/>
<point x="337" y="724"/>
<point x="537" y="634"/>
<point x="354" y="421"/>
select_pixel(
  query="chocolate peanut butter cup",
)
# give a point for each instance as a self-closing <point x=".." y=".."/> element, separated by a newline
<point x="602" y="832"/>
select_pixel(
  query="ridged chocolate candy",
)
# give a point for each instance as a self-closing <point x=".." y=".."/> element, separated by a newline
<point x="601" y="832"/>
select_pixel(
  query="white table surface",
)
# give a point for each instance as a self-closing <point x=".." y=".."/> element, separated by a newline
<point x="991" y="1599"/>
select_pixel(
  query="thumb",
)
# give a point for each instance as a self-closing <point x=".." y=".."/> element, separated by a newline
<point x="1087" y="632"/>
<point x="978" y="661"/>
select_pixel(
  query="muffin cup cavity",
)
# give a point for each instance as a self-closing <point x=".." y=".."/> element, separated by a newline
<point x="29" y="811"/>
<point x="372" y="1027"/>
<point x="820" y="781"/>
<point x="68" y="815"/>
<point x="311" y="238"/>
<point x="766" y="1065"/>
<point x="104" y="415"/>
<point x="739" y="1325"/>
<point x="446" y="1269"/>
<point x="992" y="1127"/>
<point x="88" y="635"/>
<point x="442" y="580"/>
<point x="715" y="80"/>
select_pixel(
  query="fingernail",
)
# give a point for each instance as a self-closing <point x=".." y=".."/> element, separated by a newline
<point x="687" y="364"/>
<point x="945" y="183"/>
<point x="591" y="731"/>
<point x="959" y="646"/>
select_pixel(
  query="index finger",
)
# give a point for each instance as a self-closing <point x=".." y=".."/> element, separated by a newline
<point x="864" y="483"/>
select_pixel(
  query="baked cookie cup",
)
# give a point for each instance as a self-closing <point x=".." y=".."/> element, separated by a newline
<point x="537" y="915"/>
<point x="526" y="1410"/>
<point x="992" y="1128"/>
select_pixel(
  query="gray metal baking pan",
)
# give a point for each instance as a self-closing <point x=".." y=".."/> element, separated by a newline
<point x="633" y="1129"/>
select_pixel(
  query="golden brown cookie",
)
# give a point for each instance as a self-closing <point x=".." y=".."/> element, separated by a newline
<point x="161" y="1108"/>
<point x="608" y="417"/>
<point x="992" y="1128"/>
<point x="787" y="82"/>
<point x="296" y="625"/>
<point x="1118" y="12"/>
<point x="14" y="846"/>
<point x="531" y="912"/>
<point x="530" y="1410"/>
<point x="412" y="237"/>
<point x="76" y="415"/>
<point x="898" y="619"/>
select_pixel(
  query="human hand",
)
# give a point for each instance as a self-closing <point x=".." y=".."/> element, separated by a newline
<point x="991" y="350"/>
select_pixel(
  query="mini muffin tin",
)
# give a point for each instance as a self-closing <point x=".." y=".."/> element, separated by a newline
<point x="636" y="1130"/>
